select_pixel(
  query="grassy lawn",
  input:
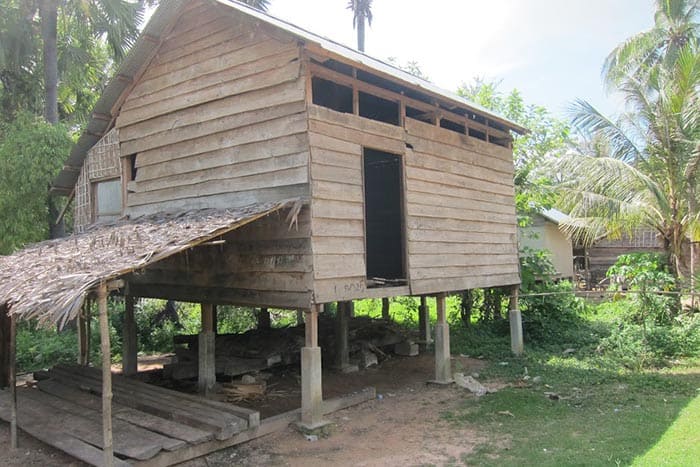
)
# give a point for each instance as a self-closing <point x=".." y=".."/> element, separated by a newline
<point x="598" y="416"/>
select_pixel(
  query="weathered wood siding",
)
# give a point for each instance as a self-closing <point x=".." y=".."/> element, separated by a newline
<point x="458" y="201"/>
<point x="265" y="263"/>
<point x="217" y="119"/>
<point x="461" y="223"/>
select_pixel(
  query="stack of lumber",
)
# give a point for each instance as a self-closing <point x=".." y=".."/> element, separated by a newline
<point x="260" y="349"/>
<point x="64" y="410"/>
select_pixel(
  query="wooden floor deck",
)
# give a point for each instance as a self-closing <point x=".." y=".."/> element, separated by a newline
<point x="152" y="426"/>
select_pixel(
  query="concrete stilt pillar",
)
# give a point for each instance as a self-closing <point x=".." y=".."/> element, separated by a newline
<point x="129" y="342"/>
<point x="385" y="309"/>
<point x="516" y="323"/>
<point x="342" y="351"/>
<point x="424" y="322"/>
<point x="311" y="384"/>
<point x="207" y="360"/>
<point x="443" y="366"/>
<point x="264" y="321"/>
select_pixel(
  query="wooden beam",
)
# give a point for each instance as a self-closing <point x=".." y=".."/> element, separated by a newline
<point x="83" y="324"/>
<point x="385" y="309"/>
<point x="13" y="382"/>
<point x="108" y="444"/>
<point x="129" y="339"/>
<point x="206" y="350"/>
<point x="311" y="325"/>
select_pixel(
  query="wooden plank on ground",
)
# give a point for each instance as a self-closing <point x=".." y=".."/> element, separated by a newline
<point x="129" y="440"/>
<point x="145" y="420"/>
<point x="253" y="416"/>
<point x="222" y="425"/>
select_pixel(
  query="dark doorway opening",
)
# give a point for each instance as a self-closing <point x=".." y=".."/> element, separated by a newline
<point x="384" y="219"/>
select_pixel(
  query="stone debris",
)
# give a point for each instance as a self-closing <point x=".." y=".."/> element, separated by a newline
<point x="472" y="385"/>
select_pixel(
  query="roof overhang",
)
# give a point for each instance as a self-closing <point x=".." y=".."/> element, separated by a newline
<point x="49" y="281"/>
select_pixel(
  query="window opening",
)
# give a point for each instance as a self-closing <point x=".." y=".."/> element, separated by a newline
<point x="416" y="114"/>
<point x="108" y="200"/>
<point x="383" y="219"/>
<point x="454" y="126"/>
<point x="376" y="108"/>
<point x="331" y="95"/>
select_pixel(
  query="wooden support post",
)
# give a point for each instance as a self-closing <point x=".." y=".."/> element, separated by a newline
<point x="83" y="324"/>
<point x="311" y="384"/>
<point x="4" y="347"/>
<point x="516" y="323"/>
<point x="207" y="356"/>
<point x="300" y="317"/>
<point x="13" y="382"/>
<point x="215" y="319"/>
<point x="129" y="339"/>
<point x="342" y="350"/>
<point x="443" y="365"/>
<point x="264" y="321"/>
<point x="385" y="309"/>
<point x="424" y="322"/>
<point x="107" y="446"/>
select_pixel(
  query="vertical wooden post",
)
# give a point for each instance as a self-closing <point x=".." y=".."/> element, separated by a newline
<point x="207" y="359"/>
<point x="264" y="319"/>
<point x="342" y="351"/>
<point x="13" y="382"/>
<point x="424" y="321"/>
<point x="215" y="319"/>
<point x="82" y="334"/>
<point x="4" y="347"/>
<point x="129" y="339"/>
<point x="385" y="309"/>
<point x="516" y="323"/>
<point x="300" y="317"/>
<point x="107" y="446"/>
<point x="311" y="384"/>
<point x="443" y="365"/>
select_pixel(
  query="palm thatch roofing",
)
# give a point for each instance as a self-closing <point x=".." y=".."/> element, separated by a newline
<point x="49" y="281"/>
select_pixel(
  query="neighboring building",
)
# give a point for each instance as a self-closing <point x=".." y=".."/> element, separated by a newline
<point x="544" y="234"/>
<point x="594" y="261"/>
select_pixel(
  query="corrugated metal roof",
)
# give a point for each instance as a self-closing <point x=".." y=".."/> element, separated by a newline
<point x="144" y="48"/>
<point x="554" y="215"/>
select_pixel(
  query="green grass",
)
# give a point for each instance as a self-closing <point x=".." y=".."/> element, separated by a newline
<point x="602" y="417"/>
<point x="680" y="444"/>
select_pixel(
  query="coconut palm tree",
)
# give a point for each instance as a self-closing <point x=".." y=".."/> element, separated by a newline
<point x="361" y="12"/>
<point x="642" y="169"/>
<point x="675" y="24"/>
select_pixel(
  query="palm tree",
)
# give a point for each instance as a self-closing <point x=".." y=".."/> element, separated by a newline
<point x="361" y="11"/>
<point x="641" y="169"/>
<point x="675" y="24"/>
<point x="115" y="20"/>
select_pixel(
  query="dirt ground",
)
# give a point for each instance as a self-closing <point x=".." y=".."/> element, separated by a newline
<point x="403" y="426"/>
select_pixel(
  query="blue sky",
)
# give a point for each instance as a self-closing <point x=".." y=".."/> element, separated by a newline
<point x="551" y="50"/>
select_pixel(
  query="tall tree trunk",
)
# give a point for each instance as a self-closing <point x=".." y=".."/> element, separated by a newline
<point x="49" y="18"/>
<point x="361" y="34"/>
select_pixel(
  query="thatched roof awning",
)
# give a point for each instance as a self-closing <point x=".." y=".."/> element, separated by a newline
<point x="50" y="280"/>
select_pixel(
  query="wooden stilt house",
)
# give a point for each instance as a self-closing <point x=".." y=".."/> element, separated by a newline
<point x="309" y="173"/>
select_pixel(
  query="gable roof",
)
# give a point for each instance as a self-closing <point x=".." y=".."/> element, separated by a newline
<point x="554" y="215"/>
<point x="145" y="48"/>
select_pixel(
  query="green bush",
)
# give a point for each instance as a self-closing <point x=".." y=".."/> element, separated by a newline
<point x="39" y="348"/>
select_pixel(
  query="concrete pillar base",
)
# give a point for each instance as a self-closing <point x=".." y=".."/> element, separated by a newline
<point x="516" y="332"/>
<point x="443" y="364"/>
<point x="207" y="368"/>
<point x="311" y="389"/>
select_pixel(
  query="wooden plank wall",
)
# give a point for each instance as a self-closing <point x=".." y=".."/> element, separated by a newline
<point x="265" y="263"/>
<point x="462" y="229"/>
<point x="459" y="201"/>
<point x="217" y="119"/>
